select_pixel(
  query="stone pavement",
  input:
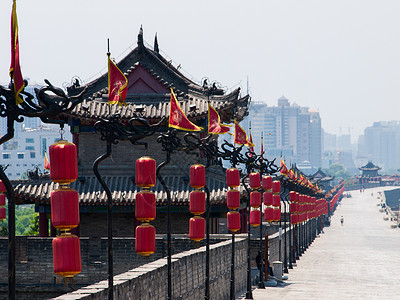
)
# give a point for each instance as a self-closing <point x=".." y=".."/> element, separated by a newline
<point x="358" y="260"/>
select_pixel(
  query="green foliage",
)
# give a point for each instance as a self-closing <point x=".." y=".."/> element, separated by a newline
<point x="338" y="171"/>
<point x="26" y="221"/>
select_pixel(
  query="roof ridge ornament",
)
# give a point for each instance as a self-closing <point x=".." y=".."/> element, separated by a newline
<point x="156" y="49"/>
<point x="140" y="36"/>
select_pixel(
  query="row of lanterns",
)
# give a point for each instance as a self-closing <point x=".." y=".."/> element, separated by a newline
<point x="2" y="201"/>
<point x="197" y="206"/>
<point x="145" y="206"/>
<point x="304" y="207"/>
<point x="272" y="199"/>
<point x="65" y="209"/>
<point x="255" y="199"/>
<point x="233" y="199"/>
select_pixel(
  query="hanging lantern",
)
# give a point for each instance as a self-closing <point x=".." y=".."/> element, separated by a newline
<point x="2" y="213"/>
<point x="145" y="206"/>
<point x="276" y="200"/>
<point x="233" y="199"/>
<point x="276" y="187"/>
<point x="65" y="208"/>
<point x="145" y="243"/>
<point x="292" y="196"/>
<point x="233" y="220"/>
<point x="255" y="180"/>
<point x="2" y="199"/>
<point x="293" y="207"/>
<point x="277" y="214"/>
<point x="269" y="214"/>
<point x="67" y="255"/>
<point x="197" y="176"/>
<point x="267" y="182"/>
<point x="267" y="198"/>
<point x="255" y="218"/>
<point x="294" y="219"/>
<point x="232" y="178"/>
<point x="197" y="228"/>
<point x="145" y="172"/>
<point x="63" y="162"/>
<point x="255" y="199"/>
<point x="2" y="187"/>
<point x="197" y="202"/>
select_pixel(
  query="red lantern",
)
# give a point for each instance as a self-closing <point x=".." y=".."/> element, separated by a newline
<point x="233" y="221"/>
<point x="255" y="180"/>
<point x="197" y="202"/>
<point x="145" y="206"/>
<point x="233" y="199"/>
<point x="145" y="172"/>
<point x="2" y="199"/>
<point x="145" y="243"/>
<point x="292" y="196"/>
<point x="197" y="228"/>
<point x="2" y="187"/>
<point x="255" y="199"/>
<point x="255" y="218"/>
<point x="267" y="198"/>
<point x="276" y="200"/>
<point x="65" y="208"/>
<point x="277" y="214"/>
<point x="267" y="182"/>
<point x="294" y="207"/>
<point x="269" y="214"/>
<point x="2" y="213"/>
<point x="197" y="176"/>
<point x="232" y="178"/>
<point x="276" y="187"/>
<point x="294" y="219"/>
<point x="63" y="162"/>
<point x="67" y="255"/>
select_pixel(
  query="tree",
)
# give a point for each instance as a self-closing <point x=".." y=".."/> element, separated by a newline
<point x="338" y="171"/>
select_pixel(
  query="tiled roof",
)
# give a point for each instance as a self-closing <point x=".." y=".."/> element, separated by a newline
<point x="158" y="109"/>
<point x="370" y="167"/>
<point x="156" y="105"/>
<point x="123" y="191"/>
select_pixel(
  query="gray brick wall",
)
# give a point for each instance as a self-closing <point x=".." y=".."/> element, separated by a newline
<point x="149" y="282"/>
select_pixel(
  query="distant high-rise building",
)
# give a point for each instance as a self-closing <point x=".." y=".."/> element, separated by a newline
<point x="289" y="130"/>
<point x="382" y="144"/>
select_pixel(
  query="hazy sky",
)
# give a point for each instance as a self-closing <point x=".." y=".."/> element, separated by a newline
<point x="341" y="57"/>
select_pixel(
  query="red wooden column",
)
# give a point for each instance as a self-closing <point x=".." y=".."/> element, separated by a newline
<point x="43" y="225"/>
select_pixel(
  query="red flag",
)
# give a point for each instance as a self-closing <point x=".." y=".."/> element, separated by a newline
<point x="284" y="170"/>
<point x="214" y="122"/>
<point x="251" y="148"/>
<point x="117" y="84"/>
<point x="15" y="68"/>
<point x="241" y="136"/>
<point x="262" y="143"/>
<point x="46" y="162"/>
<point x="291" y="175"/>
<point x="178" y="119"/>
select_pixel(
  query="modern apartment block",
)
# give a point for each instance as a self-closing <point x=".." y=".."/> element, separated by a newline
<point x="289" y="130"/>
<point x="382" y="144"/>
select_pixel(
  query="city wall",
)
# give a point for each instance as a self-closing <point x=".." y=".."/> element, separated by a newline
<point x="36" y="280"/>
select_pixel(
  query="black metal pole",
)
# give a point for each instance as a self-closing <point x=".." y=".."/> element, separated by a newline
<point x="285" y="269"/>
<point x="207" y="282"/>
<point x="290" y="241"/>
<point x="11" y="234"/>
<point x="169" y="252"/>
<point x="233" y="294"/>
<point x="109" y="218"/>
<point x="249" y="294"/>
<point x="261" y="284"/>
